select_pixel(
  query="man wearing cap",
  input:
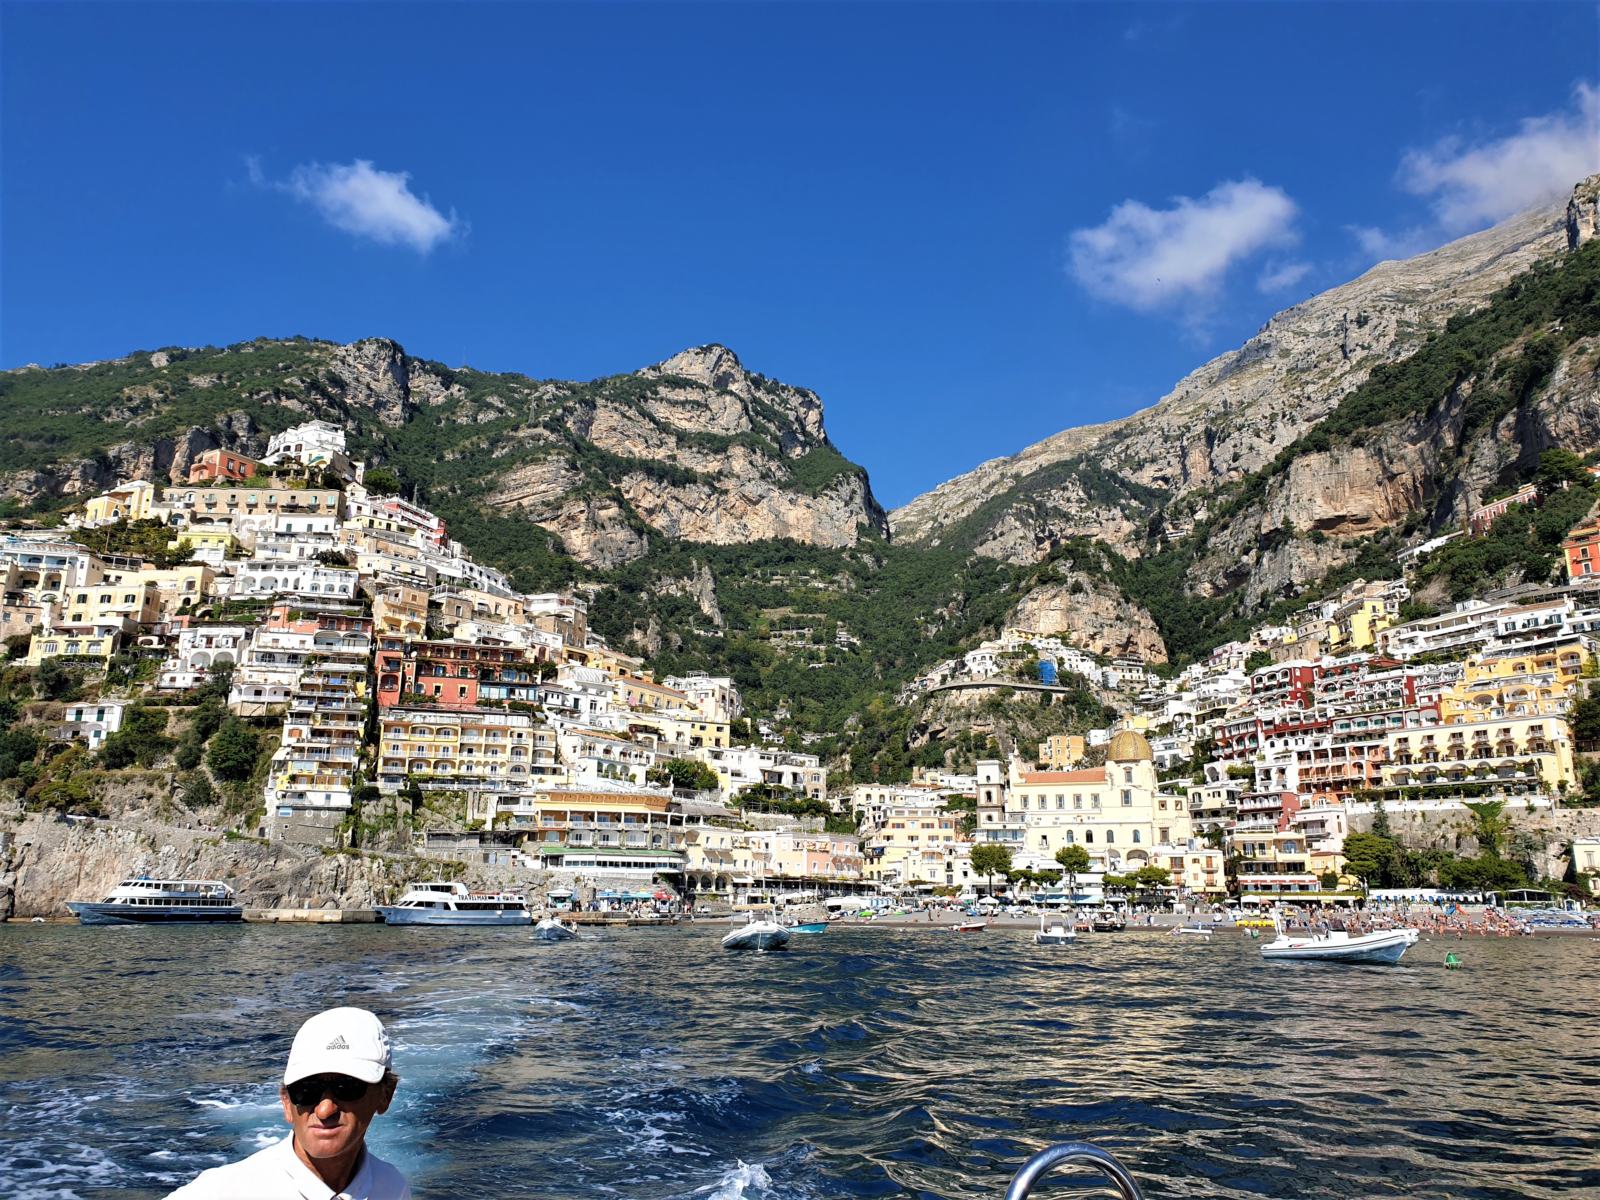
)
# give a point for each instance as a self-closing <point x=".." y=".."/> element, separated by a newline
<point x="337" y="1080"/>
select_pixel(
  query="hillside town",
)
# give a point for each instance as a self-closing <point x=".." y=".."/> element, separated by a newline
<point x="384" y="682"/>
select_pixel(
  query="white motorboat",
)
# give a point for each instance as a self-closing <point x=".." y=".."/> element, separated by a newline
<point x="757" y="935"/>
<point x="145" y="901"/>
<point x="1379" y="946"/>
<point x="448" y="903"/>
<point x="1199" y="931"/>
<point x="550" y="929"/>
<point x="1056" y="933"/>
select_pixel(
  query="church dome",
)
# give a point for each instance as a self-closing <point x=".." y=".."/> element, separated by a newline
<point x="1129" y="745"/>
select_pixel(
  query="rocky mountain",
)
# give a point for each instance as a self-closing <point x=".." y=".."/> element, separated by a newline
<point x="1151" y="473"/>
<point x="694" y="448"/>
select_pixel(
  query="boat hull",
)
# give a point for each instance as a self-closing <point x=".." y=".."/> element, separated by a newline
<point x="810" y="927"/>
<point x="553" y="932"/>
<point x="764" y="938"/>
<point x="1054" y="939"/>
<point x="153" y="914"/>
<point x="1385" y="947"/>
<point x="421" y="916"/>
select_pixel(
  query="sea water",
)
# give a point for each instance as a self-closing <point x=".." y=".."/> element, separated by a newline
<point x="865" y="1062"/>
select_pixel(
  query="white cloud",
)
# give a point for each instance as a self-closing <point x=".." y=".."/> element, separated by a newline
<point x="1150" y="258"/>
<point x="1477" y="185"/>
<point x="1277" y="276"/>
<point x="1377" y="245"/>
<point x="360" y="199"/>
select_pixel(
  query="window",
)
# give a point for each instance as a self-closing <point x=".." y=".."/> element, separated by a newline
<point x="1111" y="837"/>
<point x="1136" y="838"/>
<point x="1127" y="799"/>
<point x="1088" y="837"/>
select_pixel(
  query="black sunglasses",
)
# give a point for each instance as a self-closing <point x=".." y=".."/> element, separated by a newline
<point x="308" y="1093"/>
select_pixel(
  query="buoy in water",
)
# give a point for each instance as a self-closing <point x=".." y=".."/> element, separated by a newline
<point x="1451" y="962"/>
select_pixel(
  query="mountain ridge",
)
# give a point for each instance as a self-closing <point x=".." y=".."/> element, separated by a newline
<point x="1232" y="413"/>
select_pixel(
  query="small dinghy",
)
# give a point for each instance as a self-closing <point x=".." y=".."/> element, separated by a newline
<point x="757" y="935"/>
<point x="1057" y="933"/>
<point x="550" y="929"/>
<point x="1379" y="946"/>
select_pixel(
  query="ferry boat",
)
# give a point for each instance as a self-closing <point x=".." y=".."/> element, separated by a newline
<point x="446" y="903"/>
<point x="146" y="901"/>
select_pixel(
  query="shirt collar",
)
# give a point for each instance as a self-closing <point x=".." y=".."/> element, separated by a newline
<point x="311" y="1186"/>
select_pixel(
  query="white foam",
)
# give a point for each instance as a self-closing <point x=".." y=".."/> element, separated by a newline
<point x="737" y="1181"/>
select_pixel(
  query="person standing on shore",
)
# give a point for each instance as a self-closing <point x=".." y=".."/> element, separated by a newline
<point x="337" y="1080"/>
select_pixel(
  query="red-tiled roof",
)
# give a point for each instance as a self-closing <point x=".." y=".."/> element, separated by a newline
<point x="1097" y="775"/>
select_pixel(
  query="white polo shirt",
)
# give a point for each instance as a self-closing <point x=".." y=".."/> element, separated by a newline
<point x="277" y="1173"/>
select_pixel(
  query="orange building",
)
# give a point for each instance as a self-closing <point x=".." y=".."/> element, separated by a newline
<point x="1582" y="549"/>
<point x="221" y="464"/>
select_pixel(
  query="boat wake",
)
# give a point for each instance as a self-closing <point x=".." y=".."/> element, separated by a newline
<point x="739" y="1182"/>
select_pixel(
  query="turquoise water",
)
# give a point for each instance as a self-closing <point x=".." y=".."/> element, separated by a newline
<point x="650" y="1064"/>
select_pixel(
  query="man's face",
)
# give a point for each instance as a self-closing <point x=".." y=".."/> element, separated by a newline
<point x="330" y="1127"/>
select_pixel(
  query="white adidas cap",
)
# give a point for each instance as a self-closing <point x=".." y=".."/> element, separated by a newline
<point x="340" y="1041"/>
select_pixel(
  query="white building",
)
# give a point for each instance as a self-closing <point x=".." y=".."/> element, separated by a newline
<point x="200" y="648"/>
<point x="295" y="579"/>
<point x="92" y="722"/>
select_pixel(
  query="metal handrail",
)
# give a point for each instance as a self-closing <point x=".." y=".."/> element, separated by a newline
<point x="1045" y="1161"/>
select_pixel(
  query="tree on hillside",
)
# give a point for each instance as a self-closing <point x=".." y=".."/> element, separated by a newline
<point x="233" y="749"/>
<point x="1369" y="857"/>
<point x="991" y="859"/>
<point x="1558" y="468"/>
<point x="1074" y="861"/>
<point x="1489" y="825"/>
<point x="689" y="773"/>
<point x="381" y="481"/>
<point x="1585" y="722"/>
<point x="142" y="738"/>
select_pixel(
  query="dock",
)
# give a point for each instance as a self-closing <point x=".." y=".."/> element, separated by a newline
<point x="311" y="916"/>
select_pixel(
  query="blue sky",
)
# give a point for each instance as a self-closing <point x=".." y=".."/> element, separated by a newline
<point x="968" y="227"/>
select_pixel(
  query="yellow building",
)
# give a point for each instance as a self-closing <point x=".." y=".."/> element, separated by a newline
<point x="485" y="751"/>
<point x="1060" y="752"/>
<point x="208" y="537"/>
<point x="720" y="860"/>
<point x="400" y="612"/>
<point x="1516" y="752"/>
<point x="63" y="640"/>
<point x="96" y="621"/>
<point x="589" y="833"/>
<point x="1539" y="682"/>
<point x="190" y="582"/>
<point x="679" y="733"/>
<point x="908" y="842"/>
<point x="132" y="501"/>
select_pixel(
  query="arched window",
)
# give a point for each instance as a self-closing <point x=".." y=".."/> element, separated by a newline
<point x="1069" y="837"/>
<point x="1135" y="837"/>
<point x="1088" y="837"/>
<point x="1111" y="837"/>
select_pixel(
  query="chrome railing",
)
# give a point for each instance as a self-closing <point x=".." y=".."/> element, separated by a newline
<point x="1042" y="1163"/>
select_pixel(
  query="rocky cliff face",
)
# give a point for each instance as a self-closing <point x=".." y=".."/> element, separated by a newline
<point x="693" y="448"/>
<point x="47" y="861"/>
<point x="1079" y="607"/>
<point x="1234" y="414"/>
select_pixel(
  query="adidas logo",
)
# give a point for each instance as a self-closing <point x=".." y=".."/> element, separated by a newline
<point x="338" y="1043"/>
